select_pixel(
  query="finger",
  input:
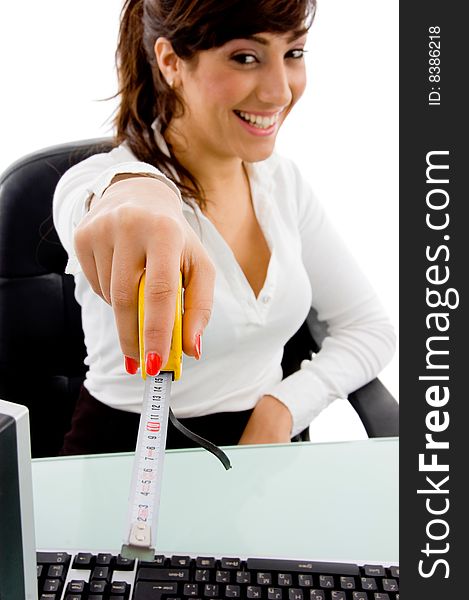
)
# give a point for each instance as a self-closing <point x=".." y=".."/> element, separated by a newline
<point x="125" y="277"/>
<point x="103" y="261"/>
<point x="199" y="281"/>
<point x="160" y="294"/>
<point x="87" y="262"/>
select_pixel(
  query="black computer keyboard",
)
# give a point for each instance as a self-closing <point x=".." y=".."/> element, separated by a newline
<point x="104" y="576"/>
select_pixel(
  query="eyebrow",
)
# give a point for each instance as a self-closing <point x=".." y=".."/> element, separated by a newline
<point x="294" y="36"/>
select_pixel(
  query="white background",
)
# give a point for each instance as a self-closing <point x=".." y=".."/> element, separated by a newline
<point x="57" y="63"/>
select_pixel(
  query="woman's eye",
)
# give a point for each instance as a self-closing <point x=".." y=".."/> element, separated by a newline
<point x="244" y="59"/>
<point x="296" y="53"/>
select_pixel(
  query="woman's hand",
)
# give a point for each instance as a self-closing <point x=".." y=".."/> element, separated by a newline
<point x="138" y="223"/>
<point x="270" y="423"/>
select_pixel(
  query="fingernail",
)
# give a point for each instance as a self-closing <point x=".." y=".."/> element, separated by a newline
<point x="131" y="365"/>
<point x="153" y="363"/>
<point x="198" y="346"/>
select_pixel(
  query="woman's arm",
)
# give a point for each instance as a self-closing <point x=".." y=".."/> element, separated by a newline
<point x="360" y="338"/>
<point x="132" y="224"/>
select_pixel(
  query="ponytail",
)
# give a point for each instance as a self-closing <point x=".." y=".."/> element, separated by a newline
<point x="145" y="95"/>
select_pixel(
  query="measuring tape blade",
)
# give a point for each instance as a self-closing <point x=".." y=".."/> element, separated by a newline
<point x="148" y="469"/>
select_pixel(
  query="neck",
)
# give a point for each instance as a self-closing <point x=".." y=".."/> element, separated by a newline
<point x="215" y="173"/>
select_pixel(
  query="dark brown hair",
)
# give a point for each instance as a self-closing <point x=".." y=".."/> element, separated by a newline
<point x="190" y="26"/>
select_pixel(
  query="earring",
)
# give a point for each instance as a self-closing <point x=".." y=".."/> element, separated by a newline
<point x="171" y="83"/>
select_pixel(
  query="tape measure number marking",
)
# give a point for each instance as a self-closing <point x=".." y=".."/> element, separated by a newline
<point x="148" y="468"/>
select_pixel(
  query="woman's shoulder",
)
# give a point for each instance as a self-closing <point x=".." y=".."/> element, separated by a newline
<point x="98" y="169"/>
<point x="113" y="156"/>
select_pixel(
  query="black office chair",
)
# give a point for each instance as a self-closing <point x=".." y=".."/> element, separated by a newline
<point x="41" y="339"/>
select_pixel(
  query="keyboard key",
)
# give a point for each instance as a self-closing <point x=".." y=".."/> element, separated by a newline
<point x="124" y="564"/>
<point x="180" y="561"/>
<point x="317" y="595"/>
<point x="222" y="577"/>
<point x="285" y="579"/>
<point x="48" y="597"/>
<point x="369" y="583"/>
<point x="305" y="580"/>
<point x="390" y="585"/>
<point x="104" y="559"/>
<point x="76" y="587"/>
<point x="253" y="592"/>
<point x="148" y="590"/>
<point x="119" y="587"/>
<point x="158" y="561"/>
<point x="326" y="581"/>
<point x="243" y="577"/>
<point x="381" y="596"/>
<point x="230" y="563"/>
<point x="73" y="597"/>
<point x="395" y="572"/>
<point x="264" y="579"/>
<point x="101" y="573"/>
<point x="152" y="574"/>
<point x="56" y="572"/>
<point x="274" y="593"/>
<point x="202" y="575"/>
<point x="211" y="590"/>
<point x="295" y="594"/>
<point x="336" y="595"/>
<point x="232" y="591"/>
<point x="347" y="583"/>
<point x="374" y="571"/>
<point x="52" y="558"/>
<point x="191" y="590"/>
<point x="83" y="560"/>
<point x="51" y="585"/>
<point x="97" y="587"/>
<point x="360" y="596"/>
<point x="205" y="562"/>
<point x="294" y="566"/>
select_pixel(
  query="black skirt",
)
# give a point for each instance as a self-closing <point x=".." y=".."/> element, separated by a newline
<point x="97" y="428"/>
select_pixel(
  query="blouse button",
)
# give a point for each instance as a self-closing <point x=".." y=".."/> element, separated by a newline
<point x="266" y="299"/>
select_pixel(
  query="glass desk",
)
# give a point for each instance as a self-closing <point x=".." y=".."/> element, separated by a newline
<point x="334" y="501"/>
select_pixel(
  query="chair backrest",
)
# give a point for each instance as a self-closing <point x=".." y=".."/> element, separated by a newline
<point x="41" y="339"/>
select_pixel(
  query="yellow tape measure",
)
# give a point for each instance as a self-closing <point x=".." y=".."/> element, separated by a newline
<point x="145" y="489"/>
<point x="174" y="364"/>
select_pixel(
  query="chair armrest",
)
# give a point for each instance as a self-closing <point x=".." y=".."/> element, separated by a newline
<point x="377" y="409"/>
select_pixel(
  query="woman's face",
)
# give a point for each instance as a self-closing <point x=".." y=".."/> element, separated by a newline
<point x="237" y="96"/>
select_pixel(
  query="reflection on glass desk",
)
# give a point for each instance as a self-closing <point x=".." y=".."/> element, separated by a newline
<point x="334" y="501"/>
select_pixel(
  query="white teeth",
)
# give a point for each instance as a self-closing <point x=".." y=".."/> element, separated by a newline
<point x="258" y="120"/>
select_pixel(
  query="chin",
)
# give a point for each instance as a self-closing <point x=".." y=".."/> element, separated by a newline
<point x="258" y="154"/>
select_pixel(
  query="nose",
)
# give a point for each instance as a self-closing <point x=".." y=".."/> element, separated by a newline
<point x="275" y="85"/>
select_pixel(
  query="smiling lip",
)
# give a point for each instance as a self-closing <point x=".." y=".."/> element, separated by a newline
<point x="259" y="123"/>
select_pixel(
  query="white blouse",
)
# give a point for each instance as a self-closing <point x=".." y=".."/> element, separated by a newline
<point x="243" y="343"/>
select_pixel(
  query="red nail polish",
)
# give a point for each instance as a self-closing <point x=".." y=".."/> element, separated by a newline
<point x="131" y="365"/>
<point x="198" y="346"/>
<point x="153" y="363"/>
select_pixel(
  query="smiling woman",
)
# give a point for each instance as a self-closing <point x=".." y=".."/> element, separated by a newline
<point x="194" y="185"/>
<point x="217" y="61"/>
